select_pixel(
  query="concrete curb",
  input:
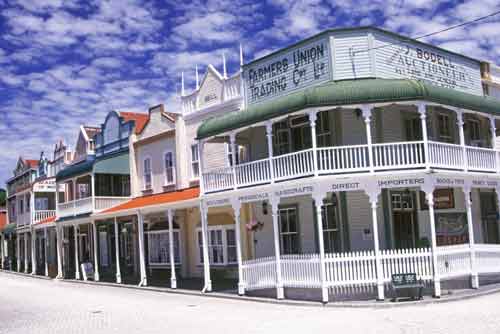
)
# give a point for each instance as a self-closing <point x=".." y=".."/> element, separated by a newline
<point x="469" y="294"/>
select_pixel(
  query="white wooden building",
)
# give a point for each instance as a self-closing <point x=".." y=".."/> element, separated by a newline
<point x="367" y="154"/>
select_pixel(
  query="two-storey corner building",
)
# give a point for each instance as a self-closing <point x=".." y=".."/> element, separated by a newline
<point x="368" y="154"/>
<point x="97" y="179"/>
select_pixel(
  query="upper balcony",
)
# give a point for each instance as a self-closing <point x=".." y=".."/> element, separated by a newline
<point x="93" y="193"/>
<point x="316" y="133"/>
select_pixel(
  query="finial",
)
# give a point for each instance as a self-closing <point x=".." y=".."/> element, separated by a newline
<point x="224" y="69"/>
<point x="197" y="79"/>
<point x="241" y="55"/>
<point x="182" y="83"/>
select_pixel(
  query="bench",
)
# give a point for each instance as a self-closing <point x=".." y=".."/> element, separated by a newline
<point x="406" y="283"/>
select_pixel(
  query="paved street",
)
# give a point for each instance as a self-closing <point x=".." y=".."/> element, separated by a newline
<point x="30" y="305"/>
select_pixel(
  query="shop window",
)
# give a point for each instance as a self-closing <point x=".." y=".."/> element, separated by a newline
<point x="402" y="201"/>
<point x="159" y="248"/>
<point x="147" y="173"/>
<point x="331" y="229"/>
<point x="169" y="168"/>
<point x="221" y="245"/>
<point x="289" y="232"/>
<point x="195" y="162"/>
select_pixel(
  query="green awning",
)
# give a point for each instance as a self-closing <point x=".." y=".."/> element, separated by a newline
<point x="117" y="164"/>
<point x="76" y="169"/>
<point x="9" y="229"/>
<point x="348" y="92"/>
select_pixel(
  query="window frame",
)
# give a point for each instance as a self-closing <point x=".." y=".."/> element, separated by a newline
<point x="338" y="230"/>
<point x="297" y="229"/>
<point x="194" y="151"/>
<point x="177" y="248"/>
<point x="145" y="186"/>
<point x="448" y="137"/>
<point x="225" y="246"/>
<point x="166" y="182"/>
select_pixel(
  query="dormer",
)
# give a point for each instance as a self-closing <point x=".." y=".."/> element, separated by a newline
<point x="115" y="131"/>
<point x="85" y="144"/>
<point x="215" y="89"/>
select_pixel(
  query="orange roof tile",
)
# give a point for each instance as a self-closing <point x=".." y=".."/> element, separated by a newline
<point x="140" y="120"/>
<point x="156" y="199"/>
<point x="3" y="219"/>
<point x="32" y="163"/>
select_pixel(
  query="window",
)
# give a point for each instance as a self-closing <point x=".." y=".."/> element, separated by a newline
<point x="159" y="248"/>
<point x="331" y="229"/>
<point x="323" y="133"/>
<point x="240" y="156"/>
<point x="413" y="129"/>
<point x="474" y="128"/>
<point x="221" y="245"/>
<point x="281" y="138"/>
<point x="301" y="133"/>
<point x="147" y="173"/>
<point x="402" y="201"/>
<point x="289" y="232"/>
<point x="195" y="162"/>
<point x="42" y="204"/>
<point x="83" y="190"/>
<point x="444" y="128"/>
<point x="169" y="168"/>
<point x="21" y="206"/>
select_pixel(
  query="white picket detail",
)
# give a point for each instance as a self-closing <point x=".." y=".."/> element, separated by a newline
<point x="252" y="173"/>
<point x="482" y="159"/>
<point x="292" y="165"/>
<point x="41" y="215"/>
<point x="398" y="155"/>
<point x="343" y="158"/>
<point x="259" y="273"/>
<point x="218" y="179"/>
<point x="487" y="258"/>
<point x="301" y="270"/>
<point x="454" y="261"/>
<point x="103" y="203"/>
<point x="350" y="268"/>
<point x="446" y="155"/>
<point x="400" y="261"/>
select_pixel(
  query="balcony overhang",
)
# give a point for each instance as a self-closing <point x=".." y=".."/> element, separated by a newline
<point x="117" y="164"/>
<point x="76" y="169"/>
<point x="345" y="93"/>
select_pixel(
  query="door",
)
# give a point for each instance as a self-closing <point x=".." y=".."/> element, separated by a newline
<point x="404" y="220"/>
<point x="489" y="217"/>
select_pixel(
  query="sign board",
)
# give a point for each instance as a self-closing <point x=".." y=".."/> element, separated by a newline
<point x="451" y="228"/>
<point x="398" y="58"/>
<point x="45" y="186"/>
<point x="293" y="69"/>
<point x="295" y="191"/>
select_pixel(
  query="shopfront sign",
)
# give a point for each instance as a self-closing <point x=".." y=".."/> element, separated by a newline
<point x="346" y="186"/>
<point x="288" y="71"/>
<point x="407" y="59"/>
<point x="296" y="191"/>
<point x="45" y="186"/>
<point x="401" y="182"/>
<point x="218" y="202"/>
<point x="484" y="183"/>
<point x="254" y="197"/>
<point x="449" y="182"/>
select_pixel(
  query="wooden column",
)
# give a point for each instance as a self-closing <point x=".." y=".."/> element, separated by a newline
<point x="274" y="201"/>
<point x="367" y="114"/>
<point x="173" y="277"/>
<point x="235" y="203"/>
<point x="432" y="218"/>
<point x="96" y="252"/>
<point x="460" y="124"/>
<point x="117" y="252"/>
<point x="422" y="110"/>
<point x="77" y="260"/>
<point x="26" y="263"/>
<point x="232" y="143"/>
<point x="33" y="252"/>
<point x="2" y="250"/>
<point x="468" y="205"/>
<point x="46" y="244"/>
<point x="313" y="115"/>
<point x="373" y="197"/>
<point x="204" y="236"/>
<point x="142" y="259"/>
<point x="269" y="136"/>
<point x="59" y="242"/>
<point x="318" y="202"/>
<point x="18" y="251"/>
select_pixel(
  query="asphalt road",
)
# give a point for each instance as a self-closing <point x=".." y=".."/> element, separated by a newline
<point x="29" y="305"/>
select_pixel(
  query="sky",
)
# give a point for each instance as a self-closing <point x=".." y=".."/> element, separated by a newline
<point x="64" y="63"/>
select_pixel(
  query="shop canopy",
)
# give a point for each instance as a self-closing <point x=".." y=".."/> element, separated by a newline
<point x="344" y="93"/>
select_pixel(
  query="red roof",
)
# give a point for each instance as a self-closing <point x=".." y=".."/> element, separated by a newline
<point x="32" y="163"/>
<point x="140" y="119"/>
<point x="157" y="199"/>
<point x="48" y="220"/>
<point x="3" y="219"/>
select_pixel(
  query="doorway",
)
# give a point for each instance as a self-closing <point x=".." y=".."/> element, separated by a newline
<point x="489" y="217"/>
<point x="405" y="227"/>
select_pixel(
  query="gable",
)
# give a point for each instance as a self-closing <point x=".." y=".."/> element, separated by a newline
<point x="81" y="146"/>
<point x="111" y="129"/>
<point x="158" y="123"/>
<point x="210" y="92"/>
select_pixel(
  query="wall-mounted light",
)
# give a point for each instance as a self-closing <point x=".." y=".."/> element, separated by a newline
<point x="358" y="112"/>
<point x="264" y="208"/>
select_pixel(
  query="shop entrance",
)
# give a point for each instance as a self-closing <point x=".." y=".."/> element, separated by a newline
<point x="489" y="217"/>
<point x="404" y="222"/>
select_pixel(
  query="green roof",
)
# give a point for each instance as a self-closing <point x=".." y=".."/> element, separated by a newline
<point x="344" y="93"/>
<point x="76" y="169"/>
<point x="116" y="164"/>
<point x="9" y="228"/>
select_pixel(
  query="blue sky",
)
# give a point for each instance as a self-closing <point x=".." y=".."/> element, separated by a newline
<point x="65" y="62"/>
